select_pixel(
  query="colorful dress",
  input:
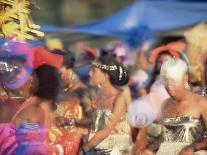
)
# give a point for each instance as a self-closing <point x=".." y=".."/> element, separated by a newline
<point x="31" y="139"/>
<point x="180" y="132"/>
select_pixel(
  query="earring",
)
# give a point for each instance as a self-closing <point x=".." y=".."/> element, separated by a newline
<point x="187" y="85"/>
<point x="99" y="86"/>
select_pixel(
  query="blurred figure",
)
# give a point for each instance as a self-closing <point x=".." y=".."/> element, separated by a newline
<point x="155" y="87"/>
<point x="69" y="106"/>
<point x="120" y="51"/>
<point x="184" y="114"/>
<point x="197" y="55"/>
<point x="110" y="131"/>
<point x="35" y="115"/>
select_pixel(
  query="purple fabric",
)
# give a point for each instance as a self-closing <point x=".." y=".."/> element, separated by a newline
<point x="31" y="139"/>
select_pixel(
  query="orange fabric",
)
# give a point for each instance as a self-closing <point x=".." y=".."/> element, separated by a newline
<point x="173" y="49"/>
<point x="90" y="50"/>
<point x="43" y="57"/>
<point x="70" y="142"/>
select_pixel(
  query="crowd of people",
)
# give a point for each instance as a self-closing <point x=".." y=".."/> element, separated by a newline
<point x="158" y="106"/>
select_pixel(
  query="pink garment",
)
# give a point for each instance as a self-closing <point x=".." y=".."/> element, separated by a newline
<point x="158" y="94"/>
<point x="8" y="143"/>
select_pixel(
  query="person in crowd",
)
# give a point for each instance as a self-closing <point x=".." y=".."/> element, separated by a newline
<point x="33" y="113"/>
<point x="110" y="129"/>
<point x="197" y="56"/>
<point x="155" y="88"/>
<point x="183" y="114"/>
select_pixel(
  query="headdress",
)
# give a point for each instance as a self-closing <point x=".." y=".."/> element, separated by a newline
<point x="15" y="20"/>
<point x="174" y="49"/>
<point x="122" y="70"/>
<point x="44" y="57"/>
<point x="173" y="70"/>
<point x="197" y="50"/>
<point x="105" y="67"/>
<point x="10" y="50"/>
<point x="198" y="36"/>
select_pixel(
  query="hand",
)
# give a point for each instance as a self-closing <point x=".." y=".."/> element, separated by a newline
<point x="3" y="96"/>
<point x="80" y="152"/>
<point x="137" y="151"/>
<point x="148" y="152"/>
<point x="186" y="151"/>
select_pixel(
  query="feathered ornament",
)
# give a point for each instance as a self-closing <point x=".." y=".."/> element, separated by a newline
<point x="196" y="52"/>
<point x="16" y="22"/>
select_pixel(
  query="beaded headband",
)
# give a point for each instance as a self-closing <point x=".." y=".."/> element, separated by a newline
<point x="105" y="67"/>
<point x="111" y="68"/>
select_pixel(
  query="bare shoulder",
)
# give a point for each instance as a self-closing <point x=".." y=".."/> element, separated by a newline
<point x="127" y="95"/>
<point x="165" y="107"/>
<point x="202" y="101"/>
<point x="121" y="100"/>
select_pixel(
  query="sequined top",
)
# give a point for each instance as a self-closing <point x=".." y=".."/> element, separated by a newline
<point x="120" y="137"/>
<point x="183" y="129"/>
<point x="100" y="118"/>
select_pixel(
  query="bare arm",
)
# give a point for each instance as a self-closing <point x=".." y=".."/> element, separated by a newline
<point x="119" y="109"/>
<point x="142" y="60"/>
<point x="141" y="140"/>
<point x="203" y="106"/>
<point x="144" y="65"/>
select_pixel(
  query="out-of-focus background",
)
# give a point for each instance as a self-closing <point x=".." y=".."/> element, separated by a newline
<point x="73" y="12"/>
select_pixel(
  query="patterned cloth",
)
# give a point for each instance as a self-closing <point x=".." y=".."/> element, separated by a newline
<point x="31" y="139"/>
<point x="180" y="132"/>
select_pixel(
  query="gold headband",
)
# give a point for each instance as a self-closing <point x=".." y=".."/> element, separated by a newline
<point x="105" y="67"/>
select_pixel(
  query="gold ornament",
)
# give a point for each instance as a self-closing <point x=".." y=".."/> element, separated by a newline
<point x="15" y="20"/>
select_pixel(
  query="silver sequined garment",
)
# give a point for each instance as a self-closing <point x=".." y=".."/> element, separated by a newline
<point x="120" y="138"/>
<point x="180" y="132"/>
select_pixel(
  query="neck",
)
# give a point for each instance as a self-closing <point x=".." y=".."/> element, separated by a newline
<point x="185" y="96"/>
<point x="108" y="89"/>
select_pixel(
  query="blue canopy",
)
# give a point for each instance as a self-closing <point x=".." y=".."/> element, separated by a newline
<point x="141" y="19"/>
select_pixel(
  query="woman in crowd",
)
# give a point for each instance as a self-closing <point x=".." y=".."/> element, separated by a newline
<point x="34" y="118"/>
<point x="110" y="129"/>
<point x="184" y="114"/>
<point x="155" y="87"/>
<point x="196" y="40"/>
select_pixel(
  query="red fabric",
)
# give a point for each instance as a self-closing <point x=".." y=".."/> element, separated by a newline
<point x="70" y="142"/>
<point x="43" y="57"/>
<point x="173" y="49"/>
<point x="92" y="51"/>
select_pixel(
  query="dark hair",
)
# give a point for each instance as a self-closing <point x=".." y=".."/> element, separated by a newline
<point x="69" y="58"/>
<point x="48" y="82"/>
<point x="114" y="75"/>
<point x="155" y="71"/>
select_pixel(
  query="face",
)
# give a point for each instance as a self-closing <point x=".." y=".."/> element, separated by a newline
<point x="162" y="58"/>
<point x="174" y="88"/>
<point x="65" y="75"/>
<point x="96" y="76"/>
